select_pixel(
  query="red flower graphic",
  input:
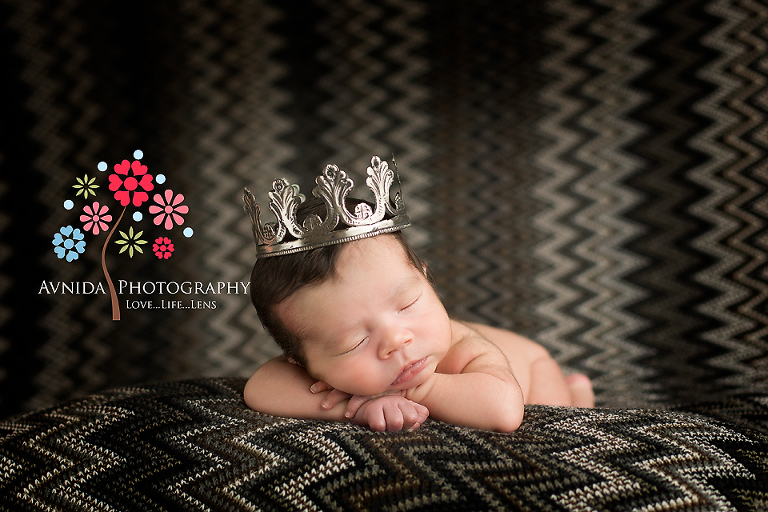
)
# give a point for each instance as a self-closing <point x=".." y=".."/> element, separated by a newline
<point x="96" y="217"/>
<point x="169" y="209"/>
<point x="163" y="248"/>
<point x="131" y="183"/>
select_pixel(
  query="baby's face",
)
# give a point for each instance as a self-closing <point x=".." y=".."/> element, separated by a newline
<point x="376" y="326"/>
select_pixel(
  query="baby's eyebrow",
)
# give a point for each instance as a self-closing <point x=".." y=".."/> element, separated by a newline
<point x="405" y="286"/>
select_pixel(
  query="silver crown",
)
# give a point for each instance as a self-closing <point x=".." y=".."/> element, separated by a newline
<point x="339" y="224"/>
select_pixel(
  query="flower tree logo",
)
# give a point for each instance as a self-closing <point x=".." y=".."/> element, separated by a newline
<point x="130" y="185"/>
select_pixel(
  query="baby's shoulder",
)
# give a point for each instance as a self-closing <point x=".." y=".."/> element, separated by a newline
<point x="514" y="346"/>
<point x="466" y="346"/>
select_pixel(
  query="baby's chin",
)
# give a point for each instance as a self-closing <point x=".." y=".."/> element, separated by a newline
<point x="353" y="390"/>
<point x="381" y="388"/>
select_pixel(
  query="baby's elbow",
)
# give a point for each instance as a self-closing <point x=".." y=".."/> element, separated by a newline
<point x="509" y="416"/>
<point x="258" y="390"/>
<point x="509" y="420"/>
<point x="251" y="395"/>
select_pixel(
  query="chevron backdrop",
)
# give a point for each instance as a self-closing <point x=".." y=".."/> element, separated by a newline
<point x="589" y="173"/>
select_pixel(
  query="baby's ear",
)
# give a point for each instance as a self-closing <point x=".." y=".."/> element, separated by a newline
<point x="293" y="361"/>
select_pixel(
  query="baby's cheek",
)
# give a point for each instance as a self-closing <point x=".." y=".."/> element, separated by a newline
<point x="361" y="380"/>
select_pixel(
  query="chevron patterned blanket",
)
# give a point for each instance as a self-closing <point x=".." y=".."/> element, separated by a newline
<point x="194" y="445"/>
<point x="589" y="173"/>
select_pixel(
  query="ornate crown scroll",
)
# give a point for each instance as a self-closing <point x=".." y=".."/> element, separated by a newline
<point x="287" y="236"/>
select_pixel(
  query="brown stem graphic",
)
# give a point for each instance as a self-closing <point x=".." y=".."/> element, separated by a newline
<point x="112" y="292"/>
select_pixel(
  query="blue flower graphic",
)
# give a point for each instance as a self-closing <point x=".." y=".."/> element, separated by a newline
<point x="69" y="243"/>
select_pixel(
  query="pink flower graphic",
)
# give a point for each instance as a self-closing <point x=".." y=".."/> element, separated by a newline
<point x="163" y="248"/>
<point x="138" y="179"/>
<point x="96" y="217"/>
<point x="170" y="209"/>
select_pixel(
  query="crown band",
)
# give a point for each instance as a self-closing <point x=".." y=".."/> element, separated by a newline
<point x="339" y="225"/>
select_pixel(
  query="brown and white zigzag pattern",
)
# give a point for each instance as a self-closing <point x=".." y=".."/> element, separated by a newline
<point x="551" y="191"/>
<point x="608" y="198"/>
<point x="599" y="260"/>
<point x="62" y="132"/>
<point x="671" y="82"/>
<point x="234" y="97"/>
<point x="740" y="42"/>
<point x="195" y="445"/>
<point x="409" y="121"/>
<point x="372" y="89"/>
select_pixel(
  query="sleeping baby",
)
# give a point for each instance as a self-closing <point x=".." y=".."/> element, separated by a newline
<point x="364" y="334"/>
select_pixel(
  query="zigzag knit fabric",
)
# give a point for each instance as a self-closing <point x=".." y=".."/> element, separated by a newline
<point x="194" y="445"/>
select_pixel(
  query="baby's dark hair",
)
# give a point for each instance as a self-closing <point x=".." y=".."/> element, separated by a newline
<point x="276" y="278"/>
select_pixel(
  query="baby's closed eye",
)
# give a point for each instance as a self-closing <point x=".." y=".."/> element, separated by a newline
<point x="411" y="303"/>
<point x="357" y="345"/>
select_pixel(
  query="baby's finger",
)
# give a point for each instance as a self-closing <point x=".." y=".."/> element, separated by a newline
<point x="393" y="416"/>
<point x="319" y="387"/>
<point x="333" y="398"/>
<point x="354" y="404"/>
<point x="376" y="420"/>
<point x="422" y="413"/>
<point x="410" y="414"/>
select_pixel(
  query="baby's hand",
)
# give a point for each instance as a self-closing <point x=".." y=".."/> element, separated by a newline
<point x="390" y="413"/>
<point x="334" y="397"/>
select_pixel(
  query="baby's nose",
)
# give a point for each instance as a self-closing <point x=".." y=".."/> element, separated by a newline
<point x="394" y="340"/>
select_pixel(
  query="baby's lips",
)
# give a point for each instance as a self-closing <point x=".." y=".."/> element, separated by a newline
<point x="409" y="371"/>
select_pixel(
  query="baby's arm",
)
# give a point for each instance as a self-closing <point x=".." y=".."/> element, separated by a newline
<point x="539" y="375"/>
<point x="282" y="388"/>
<point x="285" y="389"/>
<point x="474" y="386"/>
